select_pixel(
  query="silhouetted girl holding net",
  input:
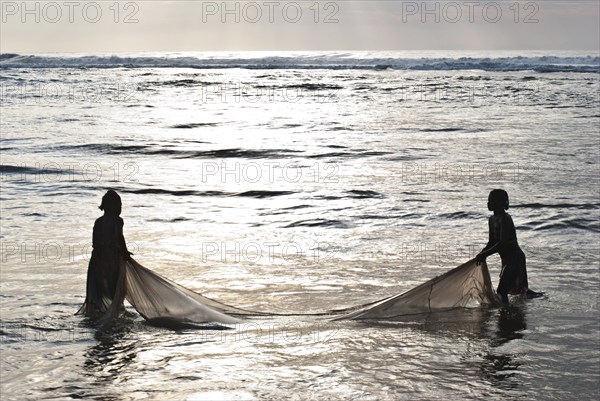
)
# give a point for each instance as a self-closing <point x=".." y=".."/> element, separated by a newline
<point x="503" y="239"/>
<point x="108" y="259"/>
<point x="114" y="276"/>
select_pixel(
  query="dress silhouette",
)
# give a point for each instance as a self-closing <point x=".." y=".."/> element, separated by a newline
<point x="108" y="259"/>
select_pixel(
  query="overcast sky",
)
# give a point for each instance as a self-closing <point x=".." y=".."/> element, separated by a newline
<point x="132" y="26"/>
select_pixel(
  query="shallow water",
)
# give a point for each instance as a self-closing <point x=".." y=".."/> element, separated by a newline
<point x="363" y="185"/>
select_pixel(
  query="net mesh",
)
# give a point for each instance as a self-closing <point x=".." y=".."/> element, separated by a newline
<point x="453" y="289"/>
<point x="166" y="303"/>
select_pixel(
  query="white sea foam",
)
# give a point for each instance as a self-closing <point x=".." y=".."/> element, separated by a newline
<point x="313" y="60"/>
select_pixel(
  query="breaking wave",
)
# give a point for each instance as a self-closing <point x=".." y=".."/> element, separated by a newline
<point x="333" y="61"/>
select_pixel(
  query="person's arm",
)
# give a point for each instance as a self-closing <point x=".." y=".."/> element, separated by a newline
<point x="490" y="236"/>
<point x="122" y="245"/>
<point x="96" y="241"/>
<point x="493" y="247"/>
<point x="507" y="235"/>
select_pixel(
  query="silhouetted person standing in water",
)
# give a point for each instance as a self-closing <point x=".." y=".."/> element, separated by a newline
<point x="503" y="239"/>
<point x="109" y="255"/>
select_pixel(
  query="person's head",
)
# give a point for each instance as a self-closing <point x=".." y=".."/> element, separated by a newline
<point x="111" y="203"/>
<point x="497" y="200"/>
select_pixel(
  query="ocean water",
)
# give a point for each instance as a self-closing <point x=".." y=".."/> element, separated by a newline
<point x="301" y="183"/>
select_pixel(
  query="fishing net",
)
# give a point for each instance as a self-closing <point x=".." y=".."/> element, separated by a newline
<point x="165" y="303"/>
<point x="456" y="288"/>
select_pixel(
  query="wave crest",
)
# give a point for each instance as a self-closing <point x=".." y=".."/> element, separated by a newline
<point x="334" y="61"/>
